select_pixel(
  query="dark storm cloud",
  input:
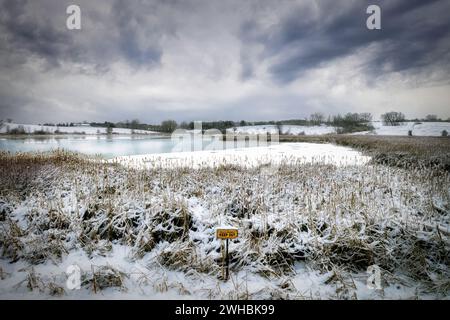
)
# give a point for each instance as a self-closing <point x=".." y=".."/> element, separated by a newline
<point x="129" y="21"/>
<point x="414" y="34"/>
<point x="29" y="29"/>
<point x="24" y="36"/>
<point x="153" y="59"/>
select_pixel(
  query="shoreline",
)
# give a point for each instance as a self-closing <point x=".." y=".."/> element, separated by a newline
<point x="70" y="135"/>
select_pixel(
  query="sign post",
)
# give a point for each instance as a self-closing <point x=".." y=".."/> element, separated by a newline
<point x="227" y="261"/>
<point x="226" y="233"/>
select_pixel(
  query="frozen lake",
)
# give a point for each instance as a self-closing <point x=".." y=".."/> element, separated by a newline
<point x="107" y="147"/>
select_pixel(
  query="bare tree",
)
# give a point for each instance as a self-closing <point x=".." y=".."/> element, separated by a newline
<point x="352" y="122"/>
<point x="431" y="117"/>
<point x="317" y="118"/>
<point x="184" y="125"/>
<point x="168" y="126"/>
<point x="365" y="117"/>
<point x="134" y="124"/>
<point x="279" y="128"/>
<point x="392" y="118"/>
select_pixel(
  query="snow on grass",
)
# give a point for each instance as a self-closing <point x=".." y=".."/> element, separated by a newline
<point x="284" y="153"/>
<point x="88" y="130"/>
<point x="306" y="230"/>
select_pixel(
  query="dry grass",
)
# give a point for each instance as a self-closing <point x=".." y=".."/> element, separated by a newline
<point x="391" y="150"/>
<point x="102" y="277"/>
<point x="332" y="218"/>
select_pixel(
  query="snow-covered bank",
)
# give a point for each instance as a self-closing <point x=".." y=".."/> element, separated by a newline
<point x="285" y="129"/>
<point x="283" y="153"/>
<point x="88" y="130"/>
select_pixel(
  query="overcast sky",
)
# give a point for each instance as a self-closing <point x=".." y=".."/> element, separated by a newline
<point x="224" y="59"/>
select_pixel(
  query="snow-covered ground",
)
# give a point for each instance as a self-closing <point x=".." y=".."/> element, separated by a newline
<point x="88" y="130"/>
<point x="305" y="231"/>
<point x="308" y="226"/>
<point x="144" y="282"/>
<point x="417" y="128"/>
<point x="285" y="129"/>
<point x="283" y="153"/>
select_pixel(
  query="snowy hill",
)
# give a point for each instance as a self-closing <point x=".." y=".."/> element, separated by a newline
<point x="418" y="129"/>
<point x="88" y="130"/>
<point x="285" y="129"/>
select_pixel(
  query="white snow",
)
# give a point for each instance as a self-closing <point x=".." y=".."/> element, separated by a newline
<point x="88" y="130"/>
<point x="250" y="157"/>
<point x="147" y="278"/>
<point x="285" y="129"/>
<point x="145" y="281"/>
<point x="417" y="128"/>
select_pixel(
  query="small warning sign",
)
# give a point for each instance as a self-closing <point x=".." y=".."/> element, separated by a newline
<point x="226" y="233"/>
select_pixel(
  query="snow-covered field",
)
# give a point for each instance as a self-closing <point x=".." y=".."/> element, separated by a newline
<point x="309" y="226"/>
<point x="88" y="130"/>
<point x="285" y="129"/>
<point x="417" y="128"/>
<point x="428" y="129"/>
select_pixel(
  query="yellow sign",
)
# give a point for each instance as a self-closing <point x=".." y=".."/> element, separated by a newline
<point x="226" y="233"/>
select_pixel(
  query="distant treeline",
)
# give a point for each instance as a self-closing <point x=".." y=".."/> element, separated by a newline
<point x="349" y="122"/>
<point x="65" y="124"/>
